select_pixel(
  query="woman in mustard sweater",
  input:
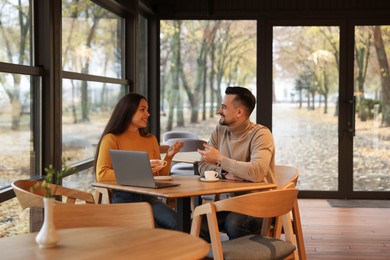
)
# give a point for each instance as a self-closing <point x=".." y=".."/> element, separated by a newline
<point x="126" y="130"/>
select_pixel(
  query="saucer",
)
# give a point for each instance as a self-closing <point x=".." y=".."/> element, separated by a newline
<point x="163" y="178"/>
<point x="212" y="180"/>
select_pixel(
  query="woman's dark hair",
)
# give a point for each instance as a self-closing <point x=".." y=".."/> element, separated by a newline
<point x="243" y="96"/>
<point x="121" y="117"/>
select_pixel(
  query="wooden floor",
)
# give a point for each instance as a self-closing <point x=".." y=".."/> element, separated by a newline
<point x="344" y="233"/>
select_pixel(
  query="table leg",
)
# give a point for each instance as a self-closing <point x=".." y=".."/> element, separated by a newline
<point x="183" y="209"/>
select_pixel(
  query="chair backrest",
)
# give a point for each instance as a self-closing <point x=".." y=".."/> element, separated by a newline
<point x="137" y="214"/>
<point x="267" y="204"/>
<point x="285" y="175"/>
<point x="178" y="134"/>
<point x="33" y="198"/>
<point x="190" y="144"/>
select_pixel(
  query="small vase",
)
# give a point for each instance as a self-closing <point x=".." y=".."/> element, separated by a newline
<point x="47" y="236"/>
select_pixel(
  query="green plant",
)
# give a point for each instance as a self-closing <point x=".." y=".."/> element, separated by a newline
<point x="52" y="176"/>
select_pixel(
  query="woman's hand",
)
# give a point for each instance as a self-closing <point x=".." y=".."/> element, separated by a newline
<point x="175" y="148"/>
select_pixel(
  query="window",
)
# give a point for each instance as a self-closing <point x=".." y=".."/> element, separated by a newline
<point x="198" y="60"/>
<point x="305" y="115"/>
<point x="19" y="112"/>
<point x="92" y="50"/>
<point x="84" y="119"/>
<point x="91" y="39"/>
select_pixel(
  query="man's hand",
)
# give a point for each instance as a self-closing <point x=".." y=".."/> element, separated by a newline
<point x="210" y="154"/>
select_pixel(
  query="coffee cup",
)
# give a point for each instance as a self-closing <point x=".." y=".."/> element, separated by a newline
<point x="210" y="175"/>
<point x="158" y="163"/>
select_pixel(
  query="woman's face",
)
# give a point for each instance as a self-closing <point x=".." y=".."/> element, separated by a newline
<point x="140" y="118"/>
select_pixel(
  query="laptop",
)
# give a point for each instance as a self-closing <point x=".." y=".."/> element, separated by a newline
<point x="132" y="168"/>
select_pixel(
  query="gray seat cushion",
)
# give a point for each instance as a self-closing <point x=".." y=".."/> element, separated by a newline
<point x="255" y="247"/>
<point x="182" y="169"/>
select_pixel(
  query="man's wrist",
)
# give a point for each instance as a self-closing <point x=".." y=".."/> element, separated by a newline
<point x="223" y="173"/>
<point x="219" y="161"/>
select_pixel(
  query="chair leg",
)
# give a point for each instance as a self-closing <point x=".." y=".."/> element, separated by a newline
<point x="289" y="232"/>
<point x="298" y="231"/>
<point x="103" y="194"/>
<point x="266" y="227"/>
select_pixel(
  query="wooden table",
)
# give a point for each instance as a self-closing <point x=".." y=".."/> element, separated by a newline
<point x="108" y="243"/>
<point x="190" y="186"/>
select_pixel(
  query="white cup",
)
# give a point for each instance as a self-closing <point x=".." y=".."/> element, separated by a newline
<point x="158" y="163"/>
<point x="210" y="175"/>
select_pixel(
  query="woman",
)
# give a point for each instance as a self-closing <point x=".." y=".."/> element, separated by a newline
<point x="126" y="130"/>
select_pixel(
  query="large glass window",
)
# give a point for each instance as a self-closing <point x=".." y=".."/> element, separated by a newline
<point x="92" y="44"/>
<point x="371" y="150"/>
<point x="305" y="103"/>
<point x="17" y="116"/>
<point x="15" y="21"/>
<point x="199" y="59"/>
<point x="91" y="39"/>
<point x="17" y="153"/>
<point x="86" y="108"/>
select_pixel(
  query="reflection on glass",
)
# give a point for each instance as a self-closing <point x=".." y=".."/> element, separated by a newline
<point x="86" y="108"/>
<point x="80" y="181"/>
<point x="371" y="153"/>
<point x="305" y="114"/>
<point x="91" y="39"/>
<point x="15" y="31"/>
<point x="198" y="60"/>
<point x="16" y="150"/>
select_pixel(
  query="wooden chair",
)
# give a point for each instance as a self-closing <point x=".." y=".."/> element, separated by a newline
<point x="179" y="134"/>
<point x="266" y="204"/>
<point x="103" y="195"/>
<point x="33" y="198"/>
<point x="103" y="215"/>
<point x="190" y="145"/>
<point x="287" y="176"/>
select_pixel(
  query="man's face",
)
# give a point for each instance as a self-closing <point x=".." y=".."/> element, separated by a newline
<point x="228" y="111"/>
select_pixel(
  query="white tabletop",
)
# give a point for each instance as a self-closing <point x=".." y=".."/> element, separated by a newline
<point x="186" y="157"/>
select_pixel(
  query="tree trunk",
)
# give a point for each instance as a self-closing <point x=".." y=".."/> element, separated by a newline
<point x="204" y="93"/>
<point x="172" y="97"/>
<point x="84" y="84"/>
<point x="385" y="77"/>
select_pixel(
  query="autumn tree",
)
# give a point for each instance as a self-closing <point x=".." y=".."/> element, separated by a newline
<point x="384" y="74"/>
<point x="15" y="37"/>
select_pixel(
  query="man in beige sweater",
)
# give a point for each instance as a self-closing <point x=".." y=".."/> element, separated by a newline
<point x="239" y="150"/>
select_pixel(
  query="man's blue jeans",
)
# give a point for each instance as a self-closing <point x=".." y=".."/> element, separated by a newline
<point x="164" y="216"/>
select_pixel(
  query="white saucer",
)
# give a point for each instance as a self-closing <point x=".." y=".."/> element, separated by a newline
<point x="212" y="180"/>
<point x="163" y="178"/>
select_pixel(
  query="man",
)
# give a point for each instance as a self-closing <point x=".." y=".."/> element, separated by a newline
<point x="239" y="150"/>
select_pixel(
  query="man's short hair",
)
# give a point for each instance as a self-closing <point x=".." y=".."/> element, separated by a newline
<point x="243" y="96"/>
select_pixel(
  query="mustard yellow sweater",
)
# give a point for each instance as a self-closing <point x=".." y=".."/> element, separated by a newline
<point x="126" y="141"/>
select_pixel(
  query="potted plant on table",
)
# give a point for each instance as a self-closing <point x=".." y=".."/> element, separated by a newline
<point x="47" y="237"/>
